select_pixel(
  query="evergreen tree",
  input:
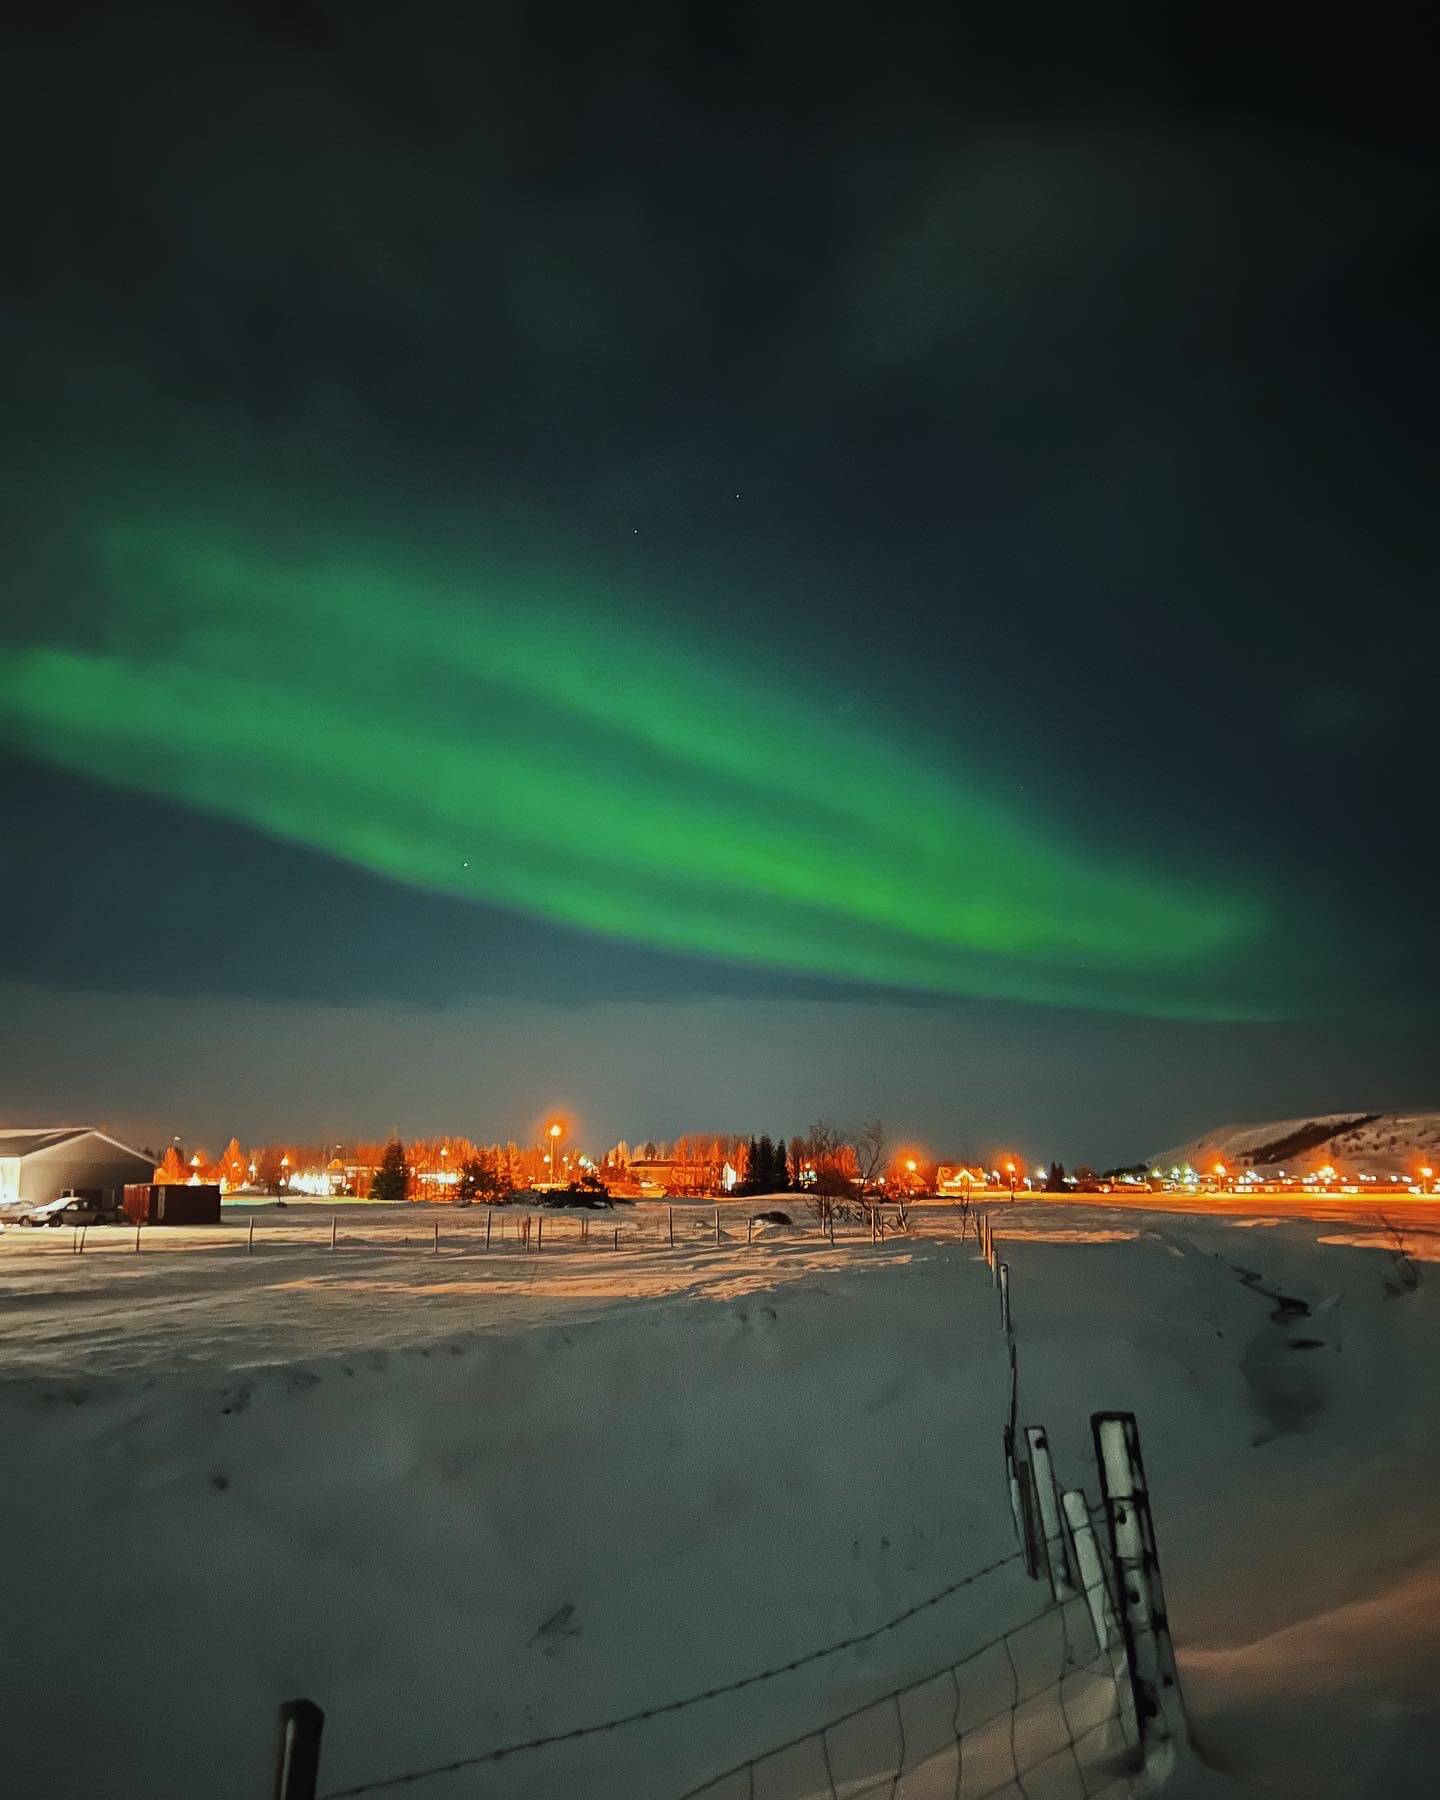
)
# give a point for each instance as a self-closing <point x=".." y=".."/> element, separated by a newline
<point x="392" y="1178"/>
<point x="764" y="1164"/>
<point x="1055" y="1180"/>
<point x="779" y="1179"/>
<point x="481" y="1177"/>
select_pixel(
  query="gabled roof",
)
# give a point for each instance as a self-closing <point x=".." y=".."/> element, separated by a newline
<point x="27" y="1140"/>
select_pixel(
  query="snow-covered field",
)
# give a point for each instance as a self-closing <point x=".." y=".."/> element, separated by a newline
<point x="465" y="1499"/>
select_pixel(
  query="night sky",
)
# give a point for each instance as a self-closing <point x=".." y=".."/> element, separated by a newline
<point x="701" y="572"/>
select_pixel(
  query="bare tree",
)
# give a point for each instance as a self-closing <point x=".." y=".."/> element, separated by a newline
<point x="869" y="1147"/>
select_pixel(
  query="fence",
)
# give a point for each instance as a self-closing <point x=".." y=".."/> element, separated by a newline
<point x="522" y="1230"/>
<point x="1079" y="1700"/>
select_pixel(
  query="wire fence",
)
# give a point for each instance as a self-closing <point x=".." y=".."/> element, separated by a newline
<point x="1071" y="1703"/>
<point x="1041" y="1710"/>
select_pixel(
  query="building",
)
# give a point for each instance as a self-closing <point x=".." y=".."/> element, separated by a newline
<point x="958" y="1180"/>
<point x="669" y="1175"/>
<point x="38" y="1164"/>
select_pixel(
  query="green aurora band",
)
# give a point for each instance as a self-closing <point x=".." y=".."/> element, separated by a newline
<point x="528" y="751"/>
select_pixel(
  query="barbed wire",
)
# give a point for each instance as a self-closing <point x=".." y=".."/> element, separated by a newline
<point x="456" y="1765"/>
<point x="1011" y="1708"/>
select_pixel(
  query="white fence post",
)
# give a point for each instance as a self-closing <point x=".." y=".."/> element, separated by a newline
<point x="1160" y="1717"/>
<point x="1038" y="1441"/>
<point x="1089" y="1570"/>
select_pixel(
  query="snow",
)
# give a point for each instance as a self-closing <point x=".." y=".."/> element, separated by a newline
<point x="468" y="1498"/>
<point x="1386" y="1144"/>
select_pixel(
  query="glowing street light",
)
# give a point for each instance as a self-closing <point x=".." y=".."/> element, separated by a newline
<point x="555" y="1154"/>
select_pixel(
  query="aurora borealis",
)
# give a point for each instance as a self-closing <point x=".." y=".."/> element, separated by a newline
<point x="535" y="752"/>
<point x="655" y="534"/>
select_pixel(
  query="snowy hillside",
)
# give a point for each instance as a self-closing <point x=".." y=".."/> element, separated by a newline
<point x="1356" y="1143"/>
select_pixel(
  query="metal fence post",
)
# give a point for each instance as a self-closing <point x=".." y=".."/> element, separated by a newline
<point x="1160" y="1717"/>
<point x="1004" y="1296"/>
<point x="1038" y="1441"/>
<point x="297" y="1769"/>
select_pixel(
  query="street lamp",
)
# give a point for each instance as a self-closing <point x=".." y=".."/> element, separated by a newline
<point x="1010" y="1171"/>
<point x="555" y="1155"/>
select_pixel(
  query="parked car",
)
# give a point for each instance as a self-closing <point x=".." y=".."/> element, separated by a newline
<point x="73" y="1209"/>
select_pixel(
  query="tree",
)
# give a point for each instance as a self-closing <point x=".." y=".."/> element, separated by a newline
<point x="172" y="1170"/>
<point x="268" y="1169"/>
<point x="234" y="1166"/>
<point x="869" y="1146"/>
<point x="481" y="1177"/>
<point x="392" y="1178"/>
<point x="1055" y="1180"/>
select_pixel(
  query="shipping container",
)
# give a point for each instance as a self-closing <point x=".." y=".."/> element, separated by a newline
<point x="188" y="1203"/>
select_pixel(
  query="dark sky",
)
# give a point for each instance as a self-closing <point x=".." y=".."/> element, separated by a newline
<point x="703" y="570"/>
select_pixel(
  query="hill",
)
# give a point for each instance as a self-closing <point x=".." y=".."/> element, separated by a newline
<point x="1355" y="1143"/>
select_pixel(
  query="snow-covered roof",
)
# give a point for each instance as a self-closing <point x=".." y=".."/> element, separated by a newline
<point x="27" y="1140"/>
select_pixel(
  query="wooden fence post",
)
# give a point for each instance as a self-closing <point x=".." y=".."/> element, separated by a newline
<point x="1160" y="1718"/>
<point x="489" y="1221"/>
<point x="1038" y="1443"/>
<point x="670" y="1215"/>
<point x="436" y="1250"/>
<point x="297" y="1769"/>
<point x="137" y="1237"/>
<point x="717" y="1224"/>
<point x="334" y="1230"/>
<point x="750" y="1230"/>
<point x="250" y="1239"/>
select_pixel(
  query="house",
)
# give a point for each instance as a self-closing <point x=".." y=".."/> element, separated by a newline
<point x="958" y="1180"/>
<point x="669" y="1175"/>
<point x="39" y="1163"/>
